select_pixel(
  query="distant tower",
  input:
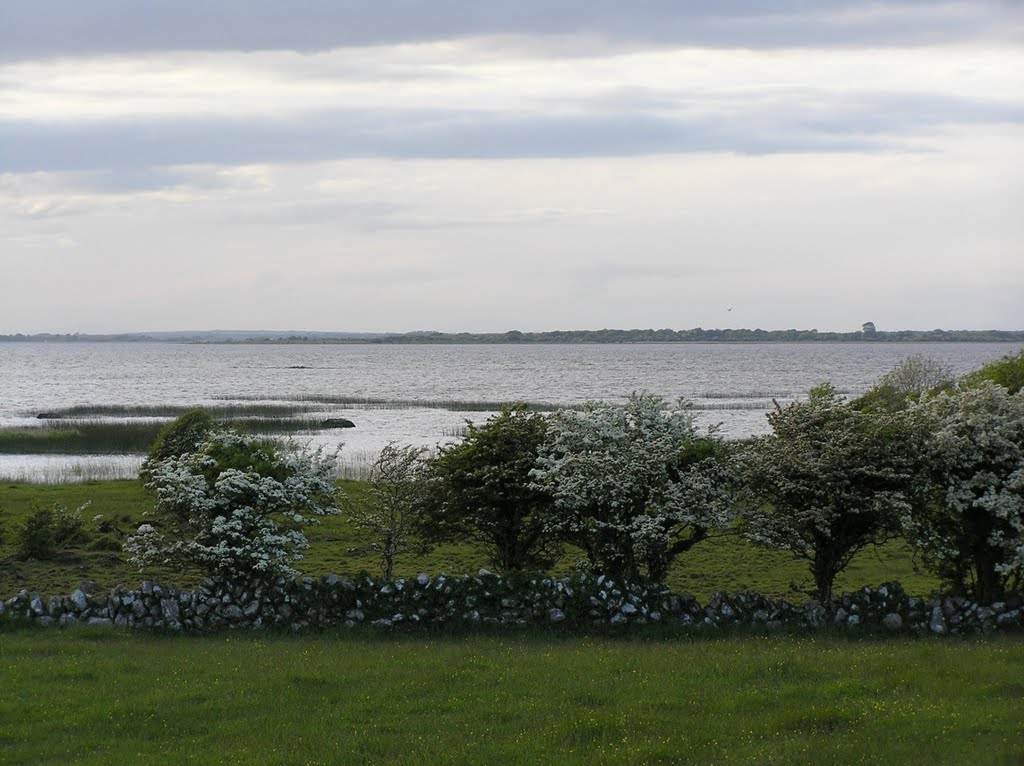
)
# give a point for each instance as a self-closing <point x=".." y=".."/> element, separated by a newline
<point x="868" y="328"/>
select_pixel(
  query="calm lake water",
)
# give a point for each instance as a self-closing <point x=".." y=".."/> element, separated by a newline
<point x="731" y="384"/>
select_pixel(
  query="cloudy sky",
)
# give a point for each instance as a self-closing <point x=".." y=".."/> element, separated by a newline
<point x="473" y="165"/>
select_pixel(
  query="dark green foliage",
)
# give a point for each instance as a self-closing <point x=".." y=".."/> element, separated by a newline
<point x="480" y="489"/>
<point x="181" y="436"/>
<point x="1007" y="371"/>
<point x="246" y="455"/>
<point x="46" y="531"/>
<point x="35" y="538"/>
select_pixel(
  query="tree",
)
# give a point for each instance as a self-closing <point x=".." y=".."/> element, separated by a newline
<point x="829" y="481"/>
<point x="182" y="435"/>
<point x="386" y="511"/>
<point x="971" y="531"/>
<point x="235" y="506"/>
<point x="480" y="489"/>
<point x="634" y="484"/>
<point x="906" y="382"/>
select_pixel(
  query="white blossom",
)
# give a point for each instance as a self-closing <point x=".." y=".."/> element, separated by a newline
<point x="235" y="521"/>
<point x="828" y="481"/>
<point x="973" y="531"/>
<point x="634" y="485"/>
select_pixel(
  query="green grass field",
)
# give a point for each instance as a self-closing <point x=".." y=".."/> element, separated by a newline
<point x="94" y="696"/>
<point x="104" y="697"/>
<point x="723" y="564"/>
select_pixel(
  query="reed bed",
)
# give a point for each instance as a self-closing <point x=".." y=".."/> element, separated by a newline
<point x="218" y="411"/>
<point x="454" y="405"/>
<point x="80" y="438"/>
<point x="128" y="437"/>
<point x="73" y="472"/>
<point x="745" y="395"/>
<point x="762" y="394"/>
<point x="706" y="406"/>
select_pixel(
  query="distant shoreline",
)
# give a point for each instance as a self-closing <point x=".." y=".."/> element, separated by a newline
<point x="514" y="337"/>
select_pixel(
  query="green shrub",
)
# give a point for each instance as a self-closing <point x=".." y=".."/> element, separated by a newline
<point x="1007" y="371"/>
<point x="47" y="531"/>
<point x="905" y="383"/>
<point x="68" y="526"/>
<point x="481" y="489"/>
<point x="35" y="538"/>
<point x="179" y="437"/>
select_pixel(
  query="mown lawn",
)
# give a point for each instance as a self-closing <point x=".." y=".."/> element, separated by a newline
<point x="723" y="564"/>
<point x="89" y="697"/>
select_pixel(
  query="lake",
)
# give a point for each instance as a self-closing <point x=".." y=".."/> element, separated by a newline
<point x="731" y="384"/>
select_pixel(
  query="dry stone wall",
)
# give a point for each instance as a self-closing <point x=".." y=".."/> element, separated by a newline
<point x="448" y="602"/>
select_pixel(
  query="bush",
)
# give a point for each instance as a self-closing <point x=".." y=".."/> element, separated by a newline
<point x="235" y="507"/>
<point x="907" y="382"/>
<point x="385" y="513"/>
<point x="47" y="531"/>
<point x="481" y="489"/>
<point x="179" y="437"/>
<point x="829" y="481"/>
<point x="634" y="484"/>
<point x="971" y="529"/>
<point x="1007" y="371"/>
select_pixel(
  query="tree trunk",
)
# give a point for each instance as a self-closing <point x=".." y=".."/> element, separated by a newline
<point x="824" y="570"/>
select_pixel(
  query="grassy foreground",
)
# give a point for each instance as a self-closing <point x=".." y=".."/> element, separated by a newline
<point x="722" y="564"/>
<point x="105" y="697"/>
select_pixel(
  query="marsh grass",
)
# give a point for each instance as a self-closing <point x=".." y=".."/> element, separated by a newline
<point x="80" y="437"/>
<point x="132" y="436"/>
<point x="217" y="411"/>
<point x="455" y="405"/>
<point x="711" y="406"/>
<point x="531" y="699"/>
<point x="114" y="467"/>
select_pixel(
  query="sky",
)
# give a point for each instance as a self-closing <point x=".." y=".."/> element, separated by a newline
<point x="466" y="165"/>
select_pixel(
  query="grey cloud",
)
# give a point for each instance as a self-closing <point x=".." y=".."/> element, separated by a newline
<point x="49" y="28"/>
<point x="121" y="154"/>
<point x="122" y="147"/>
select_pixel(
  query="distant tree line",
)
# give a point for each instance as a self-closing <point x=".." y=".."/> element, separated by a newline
<point x="696" y="335"/>
<point x="700" y="335"/>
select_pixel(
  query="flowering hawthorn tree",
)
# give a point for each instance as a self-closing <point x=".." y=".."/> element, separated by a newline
<point x="829" y="481"/>
<point x="971" y="532"/>
<point x="234" y="507"/>
<point x="634" y="484"/>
